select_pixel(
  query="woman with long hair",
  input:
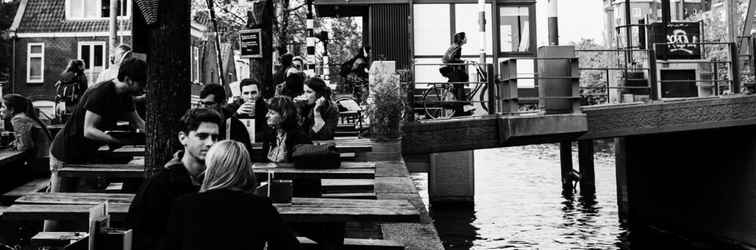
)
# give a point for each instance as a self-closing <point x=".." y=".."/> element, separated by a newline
<point x="284" y="131"/>
<point x="31" y="134"/>
<point x="225" y="214"/>
<point x="72" y="84"/>
<point x="320" y="113"/>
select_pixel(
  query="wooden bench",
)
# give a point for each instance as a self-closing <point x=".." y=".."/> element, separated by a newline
<point x="347" y="185"/>
<point x="137" y="171"/>
<point x="32" y="186"/>
<point x="356" y="244"/>
<point x="363" y="195"/>
<point x="75" y="206"/>
<point x="56" y="239"/>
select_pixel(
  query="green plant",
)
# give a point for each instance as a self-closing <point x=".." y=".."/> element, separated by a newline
<point x="387" y="107"/>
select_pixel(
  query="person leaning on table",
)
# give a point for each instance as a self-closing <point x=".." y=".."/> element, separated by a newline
<point x="32" y="136"/>
<point x="225" y="214"/>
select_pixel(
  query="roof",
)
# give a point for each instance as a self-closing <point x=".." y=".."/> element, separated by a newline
<point x="41" y="16"/>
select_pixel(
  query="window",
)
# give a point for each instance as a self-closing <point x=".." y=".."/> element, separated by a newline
<point x="93" y="55"/>
<point x="90" y="9"/>
<point x="123" y="8"/>
<point x="432" y="30"/>
<point x="637" y="12"/>
<point x="515" y="29"/>
<point x="35" y="63"/>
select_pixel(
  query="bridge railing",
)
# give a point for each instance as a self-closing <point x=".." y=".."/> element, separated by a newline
<point x="612" y="76"/>
<point x="718" y="71"/>
<point x="442" y="99"/>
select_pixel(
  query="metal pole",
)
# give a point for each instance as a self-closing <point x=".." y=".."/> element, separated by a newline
<point x="112" y="28"/>
<point x="666" y="16"/>
<point x="553" y="23"/>
<point x="482" y="24"/>
<point x="730" y="12"/>
<point x="218" y="59"/>
<point x="735" y="69"/>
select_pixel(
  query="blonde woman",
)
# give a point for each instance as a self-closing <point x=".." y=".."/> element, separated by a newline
<point x="225" y="214"/>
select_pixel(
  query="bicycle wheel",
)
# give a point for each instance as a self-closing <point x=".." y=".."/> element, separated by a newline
<point x="483" y="98"/>
<point x="434" y="100"/>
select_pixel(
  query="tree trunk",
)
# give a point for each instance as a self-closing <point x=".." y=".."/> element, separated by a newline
<point x="261" y="69"/>
<point x="168" y="78"/>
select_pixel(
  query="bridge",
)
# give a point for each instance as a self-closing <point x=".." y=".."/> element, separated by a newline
<point x="682" y="164"/>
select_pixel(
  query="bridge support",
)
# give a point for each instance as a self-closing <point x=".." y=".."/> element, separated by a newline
<point x="565" y="159"/>
<point x="699" y="184"/>
<point x="452" y="178"/>
<point x="587" y="175"/>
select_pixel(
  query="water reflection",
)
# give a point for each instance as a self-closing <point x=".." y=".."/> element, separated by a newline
<point x="518" y="204"/>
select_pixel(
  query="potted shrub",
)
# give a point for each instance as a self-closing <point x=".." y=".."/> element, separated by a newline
<point x="386" y="109"/>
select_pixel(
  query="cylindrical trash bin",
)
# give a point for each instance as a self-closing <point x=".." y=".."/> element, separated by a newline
<point x="554" y="80"/>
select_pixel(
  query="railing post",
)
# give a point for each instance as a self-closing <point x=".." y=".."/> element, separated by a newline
<point x="735" y="69"/>
<point x="653" y="83"/>
<point x="491" y="89"/>
<point x="411" y="95"/>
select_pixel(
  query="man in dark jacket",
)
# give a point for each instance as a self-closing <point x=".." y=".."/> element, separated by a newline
<point x="213" y="96"/>
<point x="148" y="213"/>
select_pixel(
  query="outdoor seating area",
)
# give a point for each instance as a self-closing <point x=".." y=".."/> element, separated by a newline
<point x="348" y="194"/>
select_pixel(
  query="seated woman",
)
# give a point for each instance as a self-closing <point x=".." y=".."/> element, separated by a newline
<point x="320" y="113"/>
<point x="283" y="131"/>
<point x="225" y="214"/>
<point x="32" y="136"/>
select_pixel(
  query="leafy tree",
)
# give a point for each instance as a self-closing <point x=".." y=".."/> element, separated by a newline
<point x="7" y="13"/>
<point x="593" y="80"/>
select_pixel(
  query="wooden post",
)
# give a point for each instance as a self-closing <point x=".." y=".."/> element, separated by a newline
<point x="587" y="175"/>
<point x="623" y="200"/>
<point x="112" y="26"/>
<point x="168" y="77"/>
<point x="261" y="69"/>
<point x="565" y="158"/>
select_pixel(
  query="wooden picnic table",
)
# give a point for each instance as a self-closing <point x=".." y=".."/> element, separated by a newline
<point x="8" y="155"/>
<point x="135" y="169"/>
<point x="69" y="206"/>
<point x="343" y="145"/>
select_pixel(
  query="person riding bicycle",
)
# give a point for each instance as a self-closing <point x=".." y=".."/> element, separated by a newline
<point x="456" y="73"/>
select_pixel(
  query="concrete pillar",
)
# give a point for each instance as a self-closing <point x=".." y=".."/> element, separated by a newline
<point x="452" y="177"/>
<point x="587" y="175"/>
<point x="565" y="160"/>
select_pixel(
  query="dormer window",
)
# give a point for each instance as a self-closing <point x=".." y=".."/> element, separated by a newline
<point x="94" y="9"/>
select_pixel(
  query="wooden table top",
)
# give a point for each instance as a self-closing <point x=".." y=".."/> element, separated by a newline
<point x="8" y="155"/>
<point x="343" y="145"/>
<point x="59" y="206"/>
<point x="135" y="169"/>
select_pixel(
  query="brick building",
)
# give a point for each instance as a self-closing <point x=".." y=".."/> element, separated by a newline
<point x="46" y="34"/>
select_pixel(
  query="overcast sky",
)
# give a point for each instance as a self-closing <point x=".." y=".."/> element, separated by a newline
<point x="577" y="19"/>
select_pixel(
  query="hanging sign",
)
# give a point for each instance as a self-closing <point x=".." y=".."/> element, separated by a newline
<point x="677" y="40"/>
<point x="251" y="43"/>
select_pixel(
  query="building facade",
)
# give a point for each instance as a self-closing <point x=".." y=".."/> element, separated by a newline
<point x="47" y="34"/>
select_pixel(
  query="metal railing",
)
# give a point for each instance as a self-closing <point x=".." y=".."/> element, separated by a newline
<point x="446" y="99"/>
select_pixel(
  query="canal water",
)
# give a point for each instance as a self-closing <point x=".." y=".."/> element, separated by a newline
<point x="519" y="205"/>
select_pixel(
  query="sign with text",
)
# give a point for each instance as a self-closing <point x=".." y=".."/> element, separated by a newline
<point x="251" y="43"/>
<point x="677" y="40"/>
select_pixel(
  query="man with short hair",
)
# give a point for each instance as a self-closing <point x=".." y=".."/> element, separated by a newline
<point x="98" y="110"/>
<point x="148" y="213"/>
<point x="213" y="96"/>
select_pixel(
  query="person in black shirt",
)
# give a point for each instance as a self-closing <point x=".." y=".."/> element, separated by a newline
<point x="225" y="214"/>
<point x="98" y="110"/>
<point x="320" y="115"/>
<point x="213" y="96"/>
<point x="150" y="208"/>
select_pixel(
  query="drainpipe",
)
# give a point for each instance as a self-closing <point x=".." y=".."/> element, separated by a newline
<point x="482" y="23"/>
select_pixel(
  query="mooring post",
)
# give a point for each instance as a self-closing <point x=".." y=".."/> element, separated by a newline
<point x="587" y="173"/>
<point x="623" y="201"/>
<point x="565" y="158"/>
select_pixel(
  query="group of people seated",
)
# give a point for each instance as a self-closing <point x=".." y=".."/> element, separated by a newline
<point x="203" y="196"/>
